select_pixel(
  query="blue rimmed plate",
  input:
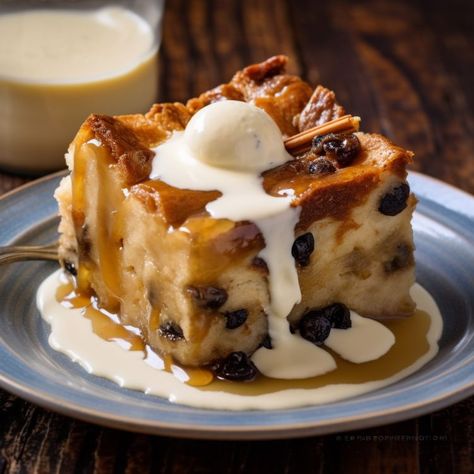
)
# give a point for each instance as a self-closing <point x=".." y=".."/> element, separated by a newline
<point x="444" y="234"/>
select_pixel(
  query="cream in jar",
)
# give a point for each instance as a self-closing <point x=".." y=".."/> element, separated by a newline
<point x="58" y="66"/>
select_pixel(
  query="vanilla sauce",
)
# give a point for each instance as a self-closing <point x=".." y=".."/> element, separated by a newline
<point x="107" y="349"/>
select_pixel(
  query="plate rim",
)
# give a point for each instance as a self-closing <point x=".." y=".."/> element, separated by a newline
<point x="65" y="406"/>
<point x="33" y="183"/>
<point x="262" y="432"/>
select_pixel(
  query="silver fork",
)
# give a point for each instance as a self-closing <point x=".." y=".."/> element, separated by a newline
<point x="16" y="253"/>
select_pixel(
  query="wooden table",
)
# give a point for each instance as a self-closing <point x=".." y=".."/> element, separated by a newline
<point x="408" y="69"/>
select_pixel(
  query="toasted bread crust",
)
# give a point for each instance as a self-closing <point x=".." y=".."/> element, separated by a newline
<point x="290" y="102"/>
<point x="321" y="108"/>
<point x="131" y="156"/>
<point x="129" y="137"/>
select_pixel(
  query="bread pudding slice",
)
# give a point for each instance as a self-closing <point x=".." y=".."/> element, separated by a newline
<point x="195" y="285"/>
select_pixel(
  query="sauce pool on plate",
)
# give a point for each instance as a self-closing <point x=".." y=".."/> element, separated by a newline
<point x="95" y="339"/>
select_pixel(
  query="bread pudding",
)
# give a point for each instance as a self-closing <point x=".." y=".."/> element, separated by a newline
<point x="198" y="286"/>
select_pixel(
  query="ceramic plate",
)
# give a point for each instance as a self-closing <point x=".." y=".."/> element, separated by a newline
<point x="29" y="368"/>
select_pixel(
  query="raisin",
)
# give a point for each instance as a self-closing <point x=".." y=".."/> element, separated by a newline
<point x="171" y="331"/>
<point x="342" y="147"/>
<point x="267" y="342"/>
<point x="236" y="366"/>
<point x="403" y="258"/>
<point x="208" y="297"/>
<point x="259" y="264"/>
<point x="315" y="327"/>
<point x="84" y="242"/>
<point x="321" y="166"/>
<point x="395" y="201"/>
<point x="236" y="318"/>
<point x="302" y="249"/>
<point x="70" y="267"/>
<point x="338" y="314"/>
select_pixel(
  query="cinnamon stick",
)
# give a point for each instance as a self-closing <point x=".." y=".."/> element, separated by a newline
<point x="301" y="142"/>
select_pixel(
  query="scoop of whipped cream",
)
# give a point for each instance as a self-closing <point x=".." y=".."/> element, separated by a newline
<point x="237" y="136"/>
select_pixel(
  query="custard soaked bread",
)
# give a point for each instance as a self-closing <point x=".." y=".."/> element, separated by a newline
<point x="195" y="285"/>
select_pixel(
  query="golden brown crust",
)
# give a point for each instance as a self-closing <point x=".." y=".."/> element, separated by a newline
<point x="132" y="157"/>
<point x="335" y="198"/>
<point x="129" y="137"/>
<point x="157" y="124"/>
<point x="379" y="151"/>
<point x="268" y="68"/>
<point x="289" y="101"/>
<point x="222" y="92"/>
<point x="378" y="154"/>
<point x="281" y="95"/>
<point x="168" y="117"/>
<point x="175" y="205"/>
<point x="321" y="108"/>
<point x="333" y="195"/>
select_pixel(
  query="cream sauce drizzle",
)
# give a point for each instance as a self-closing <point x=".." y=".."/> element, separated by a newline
<point x="247" y="141"/>
<point x="352" y="344"/>
<point x="225" y="146"/>
<point x="72" y="334"/>
<point x="246" y="136"/>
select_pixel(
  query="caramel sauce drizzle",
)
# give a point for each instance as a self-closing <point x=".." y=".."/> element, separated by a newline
<point x="154" y="321"/>
<point x="410" y="345"/>
<point x="107" y="326"/>
<point x="410" y="334"/>
<point x="78" y="211"/>
<point x="109" y="226"/>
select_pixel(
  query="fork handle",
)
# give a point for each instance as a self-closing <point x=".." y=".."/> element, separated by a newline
<point x="16" y="253"/>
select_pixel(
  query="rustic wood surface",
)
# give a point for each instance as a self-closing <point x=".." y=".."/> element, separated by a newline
<point x="407" y="68"/>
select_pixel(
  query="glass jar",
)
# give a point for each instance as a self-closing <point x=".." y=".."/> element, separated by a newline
<point x="61" y="61"/>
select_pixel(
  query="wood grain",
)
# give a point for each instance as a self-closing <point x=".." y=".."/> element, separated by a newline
<point x="407" y="68"/>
